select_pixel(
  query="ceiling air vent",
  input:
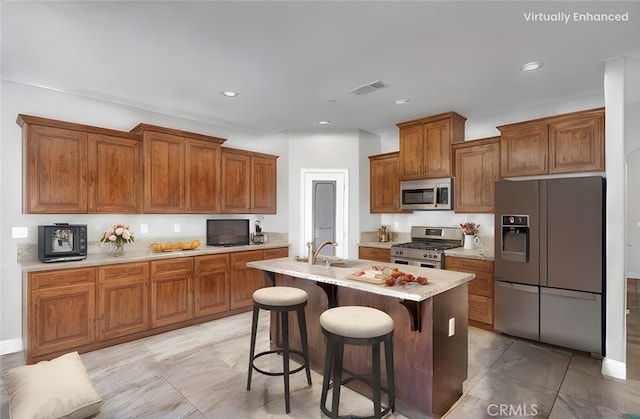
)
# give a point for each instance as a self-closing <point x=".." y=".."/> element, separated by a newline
<point x="369" y="88"/>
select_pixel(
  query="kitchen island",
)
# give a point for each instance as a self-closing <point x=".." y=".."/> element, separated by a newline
<point x="430" y="326"/>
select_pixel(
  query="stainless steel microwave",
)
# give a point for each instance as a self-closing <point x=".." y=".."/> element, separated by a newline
<point x="427" y="194"/>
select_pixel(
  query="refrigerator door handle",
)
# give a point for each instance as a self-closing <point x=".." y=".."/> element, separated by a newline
<point x="570" y="294"/>
<point x="526" y="288"/>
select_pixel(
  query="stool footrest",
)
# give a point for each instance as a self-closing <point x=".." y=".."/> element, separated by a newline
<point x="276" y="374"/>
<point x="366" y="379"/>
<point x="383" y="412"/>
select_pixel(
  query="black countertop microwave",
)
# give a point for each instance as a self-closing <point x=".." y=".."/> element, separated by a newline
<point x="426" y="194"/>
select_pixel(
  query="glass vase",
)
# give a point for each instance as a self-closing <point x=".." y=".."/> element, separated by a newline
<point x="116" y="249"/>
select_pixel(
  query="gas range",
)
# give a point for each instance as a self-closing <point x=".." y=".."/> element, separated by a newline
<point x="427" y="246"/>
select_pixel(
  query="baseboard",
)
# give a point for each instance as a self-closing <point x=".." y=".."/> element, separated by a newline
<point x="615" y="369"/>
<point x="10" y="346"/>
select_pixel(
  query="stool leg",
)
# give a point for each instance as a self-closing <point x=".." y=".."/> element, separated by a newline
<point x="391" y="389"/>
<point x="326" y="376"/>
<point x="375" y="361"/>
<point x="337" y="378"/>
<point x="285" y="359"/>
<point x="254" y="331"/>
<point x="302" y="322"/>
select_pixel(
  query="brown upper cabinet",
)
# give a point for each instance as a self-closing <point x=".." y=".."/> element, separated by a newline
<point x="73" y="168"/>
<point x="568" y="143"/>
<point x="477" y="167"/>
<point x="425" y="145"/>
<point x="181" y="170"/>
<point x="248" y="182"/>
<point x="384" y="183"/>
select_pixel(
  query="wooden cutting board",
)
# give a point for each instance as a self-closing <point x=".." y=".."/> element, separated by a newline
<point x="377" y="281"/>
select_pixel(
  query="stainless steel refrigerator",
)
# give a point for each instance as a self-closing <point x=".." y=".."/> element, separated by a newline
<point x="549" y="261"/>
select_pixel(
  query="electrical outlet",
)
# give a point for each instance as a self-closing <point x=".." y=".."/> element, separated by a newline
<point x="452" y="326"/>
<point x="19" y="232"/>
<point x="144" y="228"/>
<point x="176" y="228"/>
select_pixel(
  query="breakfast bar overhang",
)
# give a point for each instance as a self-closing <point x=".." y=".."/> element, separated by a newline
<point x="430" y="326"/>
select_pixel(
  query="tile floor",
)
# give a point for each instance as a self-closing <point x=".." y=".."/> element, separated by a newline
<point x="200" y="372"/>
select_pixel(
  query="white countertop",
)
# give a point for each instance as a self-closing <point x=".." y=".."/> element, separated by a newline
<point x="439" y="280"/>
<point x="96" y="259"/>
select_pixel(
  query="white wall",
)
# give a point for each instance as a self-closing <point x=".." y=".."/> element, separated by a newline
<point x="632" y="151"/>
<point x="622" y="77"/>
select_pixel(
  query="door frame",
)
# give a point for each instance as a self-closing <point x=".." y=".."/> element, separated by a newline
<point x="341" y="177"/>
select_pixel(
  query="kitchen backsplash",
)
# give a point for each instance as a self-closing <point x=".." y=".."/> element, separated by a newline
<point x="394" y="237"/>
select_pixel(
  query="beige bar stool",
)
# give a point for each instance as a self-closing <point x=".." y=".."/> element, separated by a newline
<point x="282" y="300"/>
<point x="352" y="325"/>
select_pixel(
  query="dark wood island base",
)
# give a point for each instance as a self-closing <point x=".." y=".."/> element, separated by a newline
<point x="429" y="342"/>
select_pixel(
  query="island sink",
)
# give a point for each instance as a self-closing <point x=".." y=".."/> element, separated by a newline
<point x="333" y="262"/>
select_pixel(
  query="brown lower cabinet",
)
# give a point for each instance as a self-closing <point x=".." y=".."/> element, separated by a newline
<point x="211" y="282"/>
<point x="374" y="253"/>
<point x="123" y="303"/>
<point x="480" y="289"/>
<point x="171" y="291"/>
<point x="245" y="281"/>
<point x="83" y="309"/>
<point x="61" y="310"/>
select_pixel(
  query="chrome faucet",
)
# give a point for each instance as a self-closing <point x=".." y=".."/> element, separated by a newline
<point x="323" y="244"/>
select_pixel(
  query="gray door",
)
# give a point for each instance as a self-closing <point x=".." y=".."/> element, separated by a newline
<point x="324" y="214"/>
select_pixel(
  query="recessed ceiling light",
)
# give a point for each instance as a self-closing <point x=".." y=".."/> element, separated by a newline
<point x="229" y="93"/>
<point x="400" y="101"/>
<point x="324" y="122"/>
<point x="534" y="65"/>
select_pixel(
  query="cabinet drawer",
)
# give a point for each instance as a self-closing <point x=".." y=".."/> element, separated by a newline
<point x="62" y="277"/>
<point x="481" y="308"/>
<point x="375" y="253"/>
<point x="482" y="284"/>
<point x="215" y="263"/>
<point x="159" y="267"/>
<point x="280" y="252"/>
<point x="468" y="265"/>
<point x="125" y="270"/>
<point x="240" y="259"/>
